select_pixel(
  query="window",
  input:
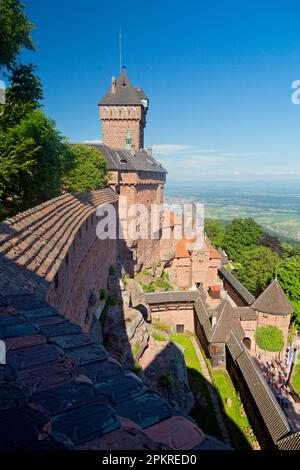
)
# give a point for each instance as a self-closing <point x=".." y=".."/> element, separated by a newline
<point x="67" y="259"/>
<point x="86" y="224"/>
<point x="79" y="233"/>
<point x="74" y="245"/>
<point x="180" y="328"/>
<point x="56" y="281"/>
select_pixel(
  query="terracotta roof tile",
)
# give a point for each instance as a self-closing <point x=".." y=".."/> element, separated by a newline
<point x="273" y="300"/>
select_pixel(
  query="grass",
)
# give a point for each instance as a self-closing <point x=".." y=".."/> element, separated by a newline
<point x="161" y="326"/>
<point x="205" y="416"/>
<point x="296" y="379"/>
<point x="238" y="425"/>
<point x="158" y="336"/>
<point x="135" y="349"/>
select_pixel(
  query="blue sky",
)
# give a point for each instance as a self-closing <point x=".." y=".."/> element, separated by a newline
<point x="218" y="76"/>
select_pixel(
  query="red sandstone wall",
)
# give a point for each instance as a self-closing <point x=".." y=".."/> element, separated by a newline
<point x="183" y="272"/>
<point x="147" y="191"/>
<point x="117" y="121"/>
<point x="249" y="327"/>
<point x="84" y="269"/>
<point x="183" y="316"/>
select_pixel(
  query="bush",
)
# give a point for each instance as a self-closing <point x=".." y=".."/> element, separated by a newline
<point x="103" y="294"/>
<point x="112" y="270"/>
<point x="158" y="336"/>
<point x="269" y="338"/>
<point x="162" y="326"/>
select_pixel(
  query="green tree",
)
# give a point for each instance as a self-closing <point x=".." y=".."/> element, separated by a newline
<point x="22" y="97"/>
<point x="33" y="157"/>
<point x="269" y="338"/>
<point x="89" y="170"/>
<point x="214" y="231"/>
<point x="15" y="31"/>
<point x="290" y="249"/>
<point x="241" y="235"/>
<point x="289" y="277"/>
<point x="257" y="268"/>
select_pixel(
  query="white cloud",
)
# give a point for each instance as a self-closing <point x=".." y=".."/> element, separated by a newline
<point x="167" y="149"/>
<point x="95" y="141"/>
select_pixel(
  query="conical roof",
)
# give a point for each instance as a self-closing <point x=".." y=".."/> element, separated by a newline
<point x="123" y="94"/>
<point x="273" y="300"/>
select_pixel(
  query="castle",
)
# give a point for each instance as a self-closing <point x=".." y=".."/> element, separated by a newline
<point x="53" y="268"/>
<point x="139" y="178"/>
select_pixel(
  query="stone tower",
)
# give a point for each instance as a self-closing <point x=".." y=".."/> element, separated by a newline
<point x="123" y="113"/>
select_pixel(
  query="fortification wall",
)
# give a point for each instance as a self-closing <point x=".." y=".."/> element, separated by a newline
<point x="82" y="274"/>
<point x="53" y="251"/>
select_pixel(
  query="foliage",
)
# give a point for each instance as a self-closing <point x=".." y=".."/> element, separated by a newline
<point x="257" y="269"/>
<point x="158" y="336"/>
<point x="241" y="235"/>
<point x="88" y="172"/>
<point x="112" y="270"/>
<point x="273" y="243"/>
<point x="22" y="97"/>
<point x="289" y="278"/>
<point x="161" y="325"/>
<point x="110" y="301"/>
<point x="161" y="283"/>
<point x="165" y="381"/>
<point x="15" y="31"/>
<point x="33" y="156"/>
<point x="148" y="288"/>
<point x="135" y="349"/>
<point x="290" y="249"/>
<point x="215" y="232"/>
<point x="137" y="369"/>
<point x="104" y="294"/>
<point x="269" y="338"/>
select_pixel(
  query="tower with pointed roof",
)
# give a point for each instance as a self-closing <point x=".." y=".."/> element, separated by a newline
<point x="123" y="112"/>
<point x="274" y="309"/>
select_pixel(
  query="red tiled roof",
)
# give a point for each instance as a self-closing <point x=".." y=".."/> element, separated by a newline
<point x="39" y="238"/>
<point x="214" y="288"/>
<point x="181" y="247"/>
<point x="214" y="254"/>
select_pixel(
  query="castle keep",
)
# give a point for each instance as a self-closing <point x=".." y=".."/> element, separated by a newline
<point x="135" y="175"/>
<point x="123" y="112"/>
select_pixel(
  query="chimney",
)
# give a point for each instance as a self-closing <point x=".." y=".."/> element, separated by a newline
<point x="114" y="85"/>
<point x="149" y="151"/>
<point x="213" y="319"/>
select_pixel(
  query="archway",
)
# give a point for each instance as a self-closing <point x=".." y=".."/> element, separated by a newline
<point x="247" y="343"/>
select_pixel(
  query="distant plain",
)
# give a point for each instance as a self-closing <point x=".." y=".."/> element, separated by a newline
<point x="275" y="205"/>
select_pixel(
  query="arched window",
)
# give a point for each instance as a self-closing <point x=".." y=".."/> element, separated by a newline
<point x="247" y="343"/>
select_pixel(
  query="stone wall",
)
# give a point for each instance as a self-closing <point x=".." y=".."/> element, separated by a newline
<point x="177" y="315"/>
<point x="83" y="271"/>
<point x="117" y="121"/>
<point x="146" y="189"/>
<point x="249" y="327"/>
